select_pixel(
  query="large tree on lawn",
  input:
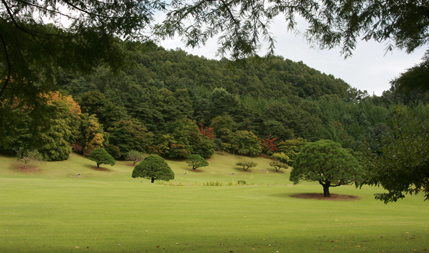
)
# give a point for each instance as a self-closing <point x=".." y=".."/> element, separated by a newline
<point x="326" y="162"/>
<point x="153" y="167"/>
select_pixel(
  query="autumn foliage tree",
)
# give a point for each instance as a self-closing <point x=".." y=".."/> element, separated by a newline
<point x="91" y="136"/>
<point x="268" y="146"/>
<point x="207" y="131"/>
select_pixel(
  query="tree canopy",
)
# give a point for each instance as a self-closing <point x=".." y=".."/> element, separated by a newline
<point x="326" y="162"/>
<point x="401" y="165"/>
<point x="40" y="39"/>
<point x="153" y="167"/>
<point x="196" y="161"/>
<point x="100" y="156"/>
<point x="243" y="25"/>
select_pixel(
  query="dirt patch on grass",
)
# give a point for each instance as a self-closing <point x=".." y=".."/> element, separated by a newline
<point x="99" y="169"/>
<point x="130" y="164"/>
<point x="28" y="169"/>
<point x="335" y="197"/>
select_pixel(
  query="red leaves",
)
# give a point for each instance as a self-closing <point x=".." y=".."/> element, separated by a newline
<point x="268" y="144"/>
<point x="206" y="132"/>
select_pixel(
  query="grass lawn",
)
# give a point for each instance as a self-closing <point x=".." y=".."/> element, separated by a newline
<point x="54" y="210"/>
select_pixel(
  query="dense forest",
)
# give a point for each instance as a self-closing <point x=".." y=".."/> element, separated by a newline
<point x="174" y="104"/>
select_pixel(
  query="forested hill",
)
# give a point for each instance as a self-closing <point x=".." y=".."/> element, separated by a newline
<point x="175" y="104"/>
<point x="275" y="78"/>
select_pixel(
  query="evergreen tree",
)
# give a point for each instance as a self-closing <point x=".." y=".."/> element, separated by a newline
<point x="153" y="167"/>
<point x="100" y="156"/>
<point x="327" y="163"/>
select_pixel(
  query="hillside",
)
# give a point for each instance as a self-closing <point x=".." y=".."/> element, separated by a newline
<point x="221" y="168"/>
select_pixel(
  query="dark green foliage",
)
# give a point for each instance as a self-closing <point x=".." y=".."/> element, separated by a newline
<point x="246" y="164"/>
<point x="223" y="126"/>
<point x="94" y="102"/>
<point x="401" y="165"/>
<point x="130" y="135"/>
<point x="328" y="163"/>
<point x="153" y="167"/>
<point x="59" y="131"/>
<point x="113" y="150"/>
<point x="100" y="156"/>
<point x="242" y="25"/>
<point x="196" y="161"/>
<point x="34" y="55"/>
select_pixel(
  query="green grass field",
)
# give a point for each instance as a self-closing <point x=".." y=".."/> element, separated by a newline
<point x="54" y="210"/>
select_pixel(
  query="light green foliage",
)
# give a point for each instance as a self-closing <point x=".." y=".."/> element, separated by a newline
<point x="196" y="161"/>
<point x="326" y="162"/>
<point x="113" y="150"/>
<point x="245" y="142"/>
<point x="63" y="130"/>
<point x="278" y="165"/>
<point x="91" y="136"/>
<point x="26" y="156"/>
<point x="135" y="156"/>
<point x="401" y="165"/>
<point x="282" y="157"/>
<point x="153" y="167"/>
<point x="100" y="156"/>
<point x="246" y="164"/>
<point x="288" y="150"/>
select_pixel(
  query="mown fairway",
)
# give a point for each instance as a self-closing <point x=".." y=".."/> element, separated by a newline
<point x="53" y="210"/>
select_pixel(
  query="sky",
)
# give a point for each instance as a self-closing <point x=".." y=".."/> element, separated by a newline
<point x="370" y="68"/>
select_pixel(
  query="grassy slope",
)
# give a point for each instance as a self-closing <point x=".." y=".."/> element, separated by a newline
<point x="107" y="211"/>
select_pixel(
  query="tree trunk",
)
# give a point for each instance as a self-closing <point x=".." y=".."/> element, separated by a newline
<point x="152" y="180"/>
<point x="326" y="190"/>
<point x="98" y="165"/>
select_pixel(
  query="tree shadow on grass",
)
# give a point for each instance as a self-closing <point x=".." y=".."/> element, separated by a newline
<point x="271" y="170"/>
<point x="192" y="170"/>
<point x="240" y="169"/>
<point x="95" y="168"/>
<point x="318" y="196"/>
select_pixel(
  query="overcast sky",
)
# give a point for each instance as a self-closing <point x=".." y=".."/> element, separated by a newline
<point x="370" y="68"/>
